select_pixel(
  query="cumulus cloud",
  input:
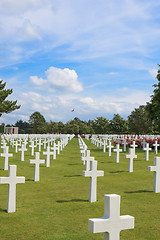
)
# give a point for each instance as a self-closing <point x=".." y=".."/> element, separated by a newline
<point x="59" y="79"/>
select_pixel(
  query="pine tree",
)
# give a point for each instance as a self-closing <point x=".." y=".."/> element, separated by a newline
<point x="6" y="106"/>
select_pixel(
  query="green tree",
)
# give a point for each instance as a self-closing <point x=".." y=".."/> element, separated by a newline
<point x="118" y="125"/>
<point x="139" y="121"/>
<point x="38" y="123"/>
<point x="60" y="127"/>
<point x="6" y="106"/>
<point x="100" y="125"/>
<point x="153" y="107"/>
<point x="23" y="127"/>
<point x="52" y="127"/>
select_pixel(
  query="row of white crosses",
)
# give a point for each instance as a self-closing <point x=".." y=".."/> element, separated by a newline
<point x="12" y="179"/>
<point x="111" y="223"/>
<point x="90" y="170"/>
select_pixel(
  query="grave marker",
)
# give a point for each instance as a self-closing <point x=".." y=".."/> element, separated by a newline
<point x="6" y="154"/>
<point x="117" y="150"/>
<point x="156" y="176"/>
<point x="12" y="180"/>
<point x="93" y="174"/>
<point x="112" y="223"/>
<point x="87" y="160"/>
<point x="147" y="149"/>
<point x="131" y="155"/>
<point x="37" y="161"/>
<point x="48" y="153"/>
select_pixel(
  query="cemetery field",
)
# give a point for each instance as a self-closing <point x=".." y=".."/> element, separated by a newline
<point x="57" y="207"/>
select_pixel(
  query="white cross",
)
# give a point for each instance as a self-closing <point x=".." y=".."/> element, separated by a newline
<point x="32" y="147"/>
<point x="44" y="143"/>
<point x="147" y="149"/>
<point x="87" y="160"/>
<point x="133" y="145"/>
<point x="111" y="223"/>
<point x="48" y="153"/>
<point x="156" y="145"/>
<point x="131" y="155"/>
<point x="12" y="180"/>
<point x="16" y="145"/>
<point x="22" y="149"/>
<point x="37" y="161"/>
<point x="156" y="176"/>
<point x="6" y="155"/>
<point x="93" y="174"/>
<point x="124" y="145"/>
<point x="39" y="145"/>
<point x="109" y="148"/>
<point x="117" y="150"/>
<point x="54" y="148"/>
<point x="104" y="145"/>
<point x="58" y="147"/>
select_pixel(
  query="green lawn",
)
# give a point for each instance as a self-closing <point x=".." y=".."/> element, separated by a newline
<point x="57" y="207"/>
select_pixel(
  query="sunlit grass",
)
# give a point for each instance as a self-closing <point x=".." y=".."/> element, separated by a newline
<point x="57" y="207"/>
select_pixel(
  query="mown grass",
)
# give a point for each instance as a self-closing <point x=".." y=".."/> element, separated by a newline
<point x="57" y="207"/>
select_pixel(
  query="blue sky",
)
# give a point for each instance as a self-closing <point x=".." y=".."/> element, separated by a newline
<point x="99" y="57"/>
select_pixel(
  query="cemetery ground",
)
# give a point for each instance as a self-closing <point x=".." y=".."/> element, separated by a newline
<point x="57" y="207"/>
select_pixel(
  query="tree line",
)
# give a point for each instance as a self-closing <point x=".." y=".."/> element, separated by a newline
<point x="143" y="120"/>
<point x="137" y="123"/>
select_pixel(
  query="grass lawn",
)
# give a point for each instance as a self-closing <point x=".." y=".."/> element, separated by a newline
<point x="57" y="207"/>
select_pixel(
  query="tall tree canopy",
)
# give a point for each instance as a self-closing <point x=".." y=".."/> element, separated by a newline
<point x="118" y="125"/>
<point x="6" y="106"/>
<point x="139" y="121"/>
<point x="153" y="107"/>
<point x="38" y="123"/>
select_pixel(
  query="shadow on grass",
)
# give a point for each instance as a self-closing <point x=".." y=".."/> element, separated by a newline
<point x="140" y="191"/>
<point x="71" y="164"/>
<point x="106" y="162"/>
<point x="29" y="180"/>
<point x="3" y="210"/>
<point x="72" y="200"/>
<point x="118" y="171"/>
<point x="72" y="175"/>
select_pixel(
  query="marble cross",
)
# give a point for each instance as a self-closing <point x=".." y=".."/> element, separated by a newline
<point x="12" y="180"/>
<point x="156" y="145"/>
<point x="87" y="160"/>
<point x="32" y="147"/>
<point x="156" y="176"/>
<point x="6" y="154"/>
<point x="39" y="145"/>
<point x="48" y="153"/>
<point x="109" y="148"/>
<point x="93" y="174"/>
<point x="117" y="150"/>
<point x="133" y="145"/>
<point x="37" y="161"/>
<point x="22" y="149"/>
<point x="147" y="149"/>
<point x="111" y="223"/>
<point x="124" y="145"/>
<point x="131" y="155"/>
<point x="54" y="148"/>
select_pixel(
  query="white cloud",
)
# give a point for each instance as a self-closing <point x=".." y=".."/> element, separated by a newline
<point x="59" y="79"/>
<point x="28" y="31"/>
<point x="153" y="72"/>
